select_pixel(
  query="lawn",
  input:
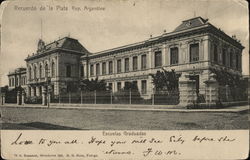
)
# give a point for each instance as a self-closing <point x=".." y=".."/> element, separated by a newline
<point x="84" y="119"/>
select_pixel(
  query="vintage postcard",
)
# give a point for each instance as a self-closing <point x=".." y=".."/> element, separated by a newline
<point x="124" y="79"/>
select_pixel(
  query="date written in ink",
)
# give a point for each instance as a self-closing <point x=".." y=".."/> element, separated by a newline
<point x="152" y="152"/>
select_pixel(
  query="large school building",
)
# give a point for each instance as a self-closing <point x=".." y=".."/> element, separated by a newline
<point x="192" y="49"/>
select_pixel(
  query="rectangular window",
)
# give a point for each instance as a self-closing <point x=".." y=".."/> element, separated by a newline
<point x="174" y="55"/>
<point x="144" y="86"/>
<point x="143" y="61"/>
<point x="127" y="85"/>
<point x="103" y="68"/>
<point x="10" y="82"/>
<point x="215" y="53"/>
<point x="126" y="64"/>
<point x="110" y="86"/>
<point x="194" y="52"/>
<point x="158" y="59"/>
<point x="91" y="70"/>
<point x="135" y="63"/>
<point x="224" y="57"/>
<point x="119" y="86"/>
<point x="135" y="83"/>
<point x="237" y="61"/>
<point x="110" y="67"/>
<point x="82" y="71"/>
<point x="68" y="71"/>
<point x="97" y="69"/>
<point x="119" y="66"/>
<point x="231" y="58"/>
<point x="17" y="81"/>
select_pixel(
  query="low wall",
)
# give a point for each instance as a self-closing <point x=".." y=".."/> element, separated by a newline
<point x="217" y="105"/>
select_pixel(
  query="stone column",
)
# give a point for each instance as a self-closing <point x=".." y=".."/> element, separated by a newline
<point x="85" y="72"/>
<point x="56" y="88"/>
<point x="94" y="69"/>
<point x="100" y="67"/>
<point x="122" y="84"/>
<point x="187" y="91"/>
<point x="150" y="86"/>
<point x="164" y="55"/>
<point x="212" y="92"/>
<point x="114" y="65"/>
<point x="113" y="87"/>
<point x="23" y="98"/>
<point x="122" y="65"/>
<point x="18" y="97"/>
<point x="49" y="97"/>
<point x="2" y="98"/>
<point x="31" y="92"/>
<point x="37" y="91"/>
<point x="227" y="92"/>
<point x="149" y="58"/>
<point x="107" y="67"/>
<point x="44" y="96"/>
<point x="139" y="62"/>
<point x="139" y="85"/>
<point x="167" y="62"/>
<point x="131" y="63"/>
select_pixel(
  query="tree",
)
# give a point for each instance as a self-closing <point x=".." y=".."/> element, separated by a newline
<point x="4" y="89"/>
<point x="93" y="85"/>
<point x="237" y="85"/>
<point x="166" y="85"/>
<point x="130" y="90"/>
<point x="95" y="90"/>
<point x="166" y="80"/>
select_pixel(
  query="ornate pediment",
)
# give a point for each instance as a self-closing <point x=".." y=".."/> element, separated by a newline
<point x="156" y="49"/>
<point x="192" y="41"/>
<point x="40" y="45"/>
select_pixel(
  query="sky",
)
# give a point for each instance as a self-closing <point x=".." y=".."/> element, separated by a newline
<point x="112" y="23"/>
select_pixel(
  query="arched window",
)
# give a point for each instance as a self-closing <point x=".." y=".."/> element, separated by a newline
<point x="68" y="71"/>
<point x="34" y="70"/>
<point x="46" y="68"/>
<point x="29" y="73"/>
<point x="13" y="82"/>
<point x="53" y="69"/>
<point x="17" y="81"/>
<point x="40" y="71"/>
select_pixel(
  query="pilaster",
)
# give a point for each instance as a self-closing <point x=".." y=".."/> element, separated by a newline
<point x="187" y="90"/>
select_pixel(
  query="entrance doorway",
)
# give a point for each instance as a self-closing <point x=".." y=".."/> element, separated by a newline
<point x="200" y="97"/>
<point x="196" y="78"/>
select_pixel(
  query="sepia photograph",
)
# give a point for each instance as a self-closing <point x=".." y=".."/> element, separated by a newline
<point x="89" y="65"/>
<point x="130" y="65"/>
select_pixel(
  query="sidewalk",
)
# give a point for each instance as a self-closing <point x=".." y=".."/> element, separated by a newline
<point x="133" y="107"/>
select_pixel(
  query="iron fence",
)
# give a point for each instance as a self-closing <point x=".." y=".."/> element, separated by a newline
<point x="124" y="97"/>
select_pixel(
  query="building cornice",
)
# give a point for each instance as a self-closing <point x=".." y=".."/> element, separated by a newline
<point x="222" y="34"/>
<point x="46" y="53"/>
<point x="206" y="28"/>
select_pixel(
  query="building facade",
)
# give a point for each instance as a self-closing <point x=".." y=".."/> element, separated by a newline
<point x="55" y="65"/>
<point x="192" y="49"/>
<point x="17" y="78"/>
